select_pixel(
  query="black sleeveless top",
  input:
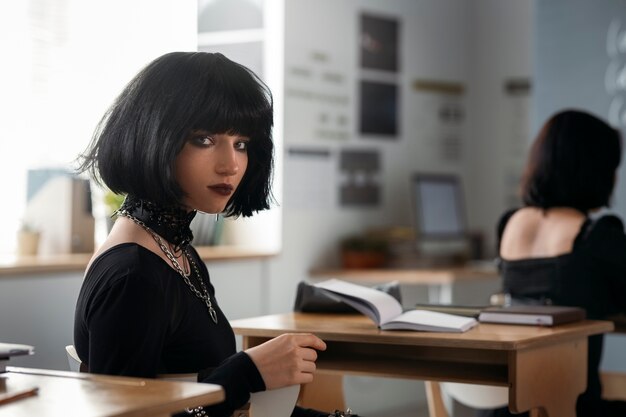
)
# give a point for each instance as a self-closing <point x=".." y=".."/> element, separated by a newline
<point x="591" y="276"/>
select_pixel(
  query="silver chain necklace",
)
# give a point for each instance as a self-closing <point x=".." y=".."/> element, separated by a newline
<point x="204" y="295"/>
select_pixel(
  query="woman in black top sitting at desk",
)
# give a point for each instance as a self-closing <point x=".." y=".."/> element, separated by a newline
<point x="192" y="131"/>
<point x="552" y="251"/>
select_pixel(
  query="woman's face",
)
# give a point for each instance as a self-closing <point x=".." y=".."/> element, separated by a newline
<point x="209" y="169"/>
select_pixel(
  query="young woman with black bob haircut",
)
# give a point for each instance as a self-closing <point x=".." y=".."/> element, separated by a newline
<point x="191" y="132"/>
<point x="553" y="251"/>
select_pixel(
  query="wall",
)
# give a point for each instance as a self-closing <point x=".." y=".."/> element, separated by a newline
<point x="38" y="310"/>
<point x="501" y="49"/>
<point x="437" y="42"/>
<point x="311" y="231"/>
<point x="582" y="69"/>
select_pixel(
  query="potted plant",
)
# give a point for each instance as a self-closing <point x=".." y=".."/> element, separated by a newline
<point x="363" y="252"/>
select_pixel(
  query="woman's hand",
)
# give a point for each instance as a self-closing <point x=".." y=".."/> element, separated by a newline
<point x="288" y="359"/>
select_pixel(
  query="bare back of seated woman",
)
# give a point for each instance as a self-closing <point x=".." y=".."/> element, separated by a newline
<point x="536" y="233"/>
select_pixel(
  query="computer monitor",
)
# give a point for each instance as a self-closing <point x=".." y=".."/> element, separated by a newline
<point x="439" y="207"/>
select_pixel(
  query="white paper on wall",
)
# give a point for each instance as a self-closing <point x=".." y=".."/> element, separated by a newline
<point x="317" y="93"/>
<point x="516" y="121"/>
<point x="310" y="179"/>
<point x="440" y="120"/>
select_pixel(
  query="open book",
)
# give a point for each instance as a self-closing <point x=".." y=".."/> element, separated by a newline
<point x="387" y="313"/>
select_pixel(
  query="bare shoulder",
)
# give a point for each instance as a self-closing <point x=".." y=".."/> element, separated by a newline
<point x="525" y="217"/>
<point x="534" y="232"/>
<point x="557" y="216"/>
<point x="124" y="231"/>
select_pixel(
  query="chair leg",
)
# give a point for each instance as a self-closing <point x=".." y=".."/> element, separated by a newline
<point x="613" y="385"/>
<point x="434" y="396"/>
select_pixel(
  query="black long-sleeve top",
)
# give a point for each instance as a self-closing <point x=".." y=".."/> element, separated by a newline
<point x="135" y="316"/>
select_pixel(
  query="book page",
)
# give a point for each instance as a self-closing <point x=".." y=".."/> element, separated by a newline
<point x="377" y="305"/>
<point x="435" y="321"/>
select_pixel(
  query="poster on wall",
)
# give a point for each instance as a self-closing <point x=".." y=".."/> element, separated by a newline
<point x="359" y="183"/>
<point x="378" y="88"/>
<point x="316" y="89"/>
<point x="439" y="116"/>
<point x="614" y="76"/>
<point x="379" y="43"/>
<point x="516" y="120"/>
<point x="378" y="109"/>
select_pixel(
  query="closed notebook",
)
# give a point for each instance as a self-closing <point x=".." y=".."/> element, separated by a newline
<point x="540" y="315"/>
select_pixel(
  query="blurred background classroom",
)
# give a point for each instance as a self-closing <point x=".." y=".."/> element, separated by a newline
<point x="399" y="123"/>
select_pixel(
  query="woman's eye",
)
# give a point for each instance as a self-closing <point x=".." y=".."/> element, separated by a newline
<point x="241" y="146"/>
<point x="205" y="140"/>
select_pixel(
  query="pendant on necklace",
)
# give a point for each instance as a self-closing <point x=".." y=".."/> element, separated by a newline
<point x="212" y="313"/>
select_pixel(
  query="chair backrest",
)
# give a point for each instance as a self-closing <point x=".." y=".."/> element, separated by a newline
<point x="73" y="360"/>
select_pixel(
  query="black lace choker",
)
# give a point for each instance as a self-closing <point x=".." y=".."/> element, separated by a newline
<point x="170" y="222"/>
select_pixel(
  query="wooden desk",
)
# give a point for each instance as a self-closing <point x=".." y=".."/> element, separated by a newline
<point x="70" y="393"/>
<point x="438" y="280"/>
<point x="544" y="367"/>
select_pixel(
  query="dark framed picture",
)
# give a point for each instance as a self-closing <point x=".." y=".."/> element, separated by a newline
<point x="361" y="168"/>
<point x="378" y="108"/>
<point x="379" y="43"/>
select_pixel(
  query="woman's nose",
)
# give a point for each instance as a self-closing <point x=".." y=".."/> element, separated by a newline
<point x="227" y="163"/>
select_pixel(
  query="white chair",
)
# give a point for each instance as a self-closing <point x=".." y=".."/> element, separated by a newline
<point x="477" y="396"/>
<point x="471" y="395"/>
<point x="72" y="358"/>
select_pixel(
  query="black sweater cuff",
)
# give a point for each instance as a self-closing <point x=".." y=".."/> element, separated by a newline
<point x="239" y="376"/>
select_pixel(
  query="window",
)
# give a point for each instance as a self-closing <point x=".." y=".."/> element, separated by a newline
<point x="64" y="62"/>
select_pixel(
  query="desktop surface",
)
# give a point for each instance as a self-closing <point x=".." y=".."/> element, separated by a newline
<point x="69" y="393"/>
<point x="358" y="328"/>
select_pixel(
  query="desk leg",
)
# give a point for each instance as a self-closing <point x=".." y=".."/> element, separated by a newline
<point x="549" y="378"/>
<point x="325" y="393"/>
